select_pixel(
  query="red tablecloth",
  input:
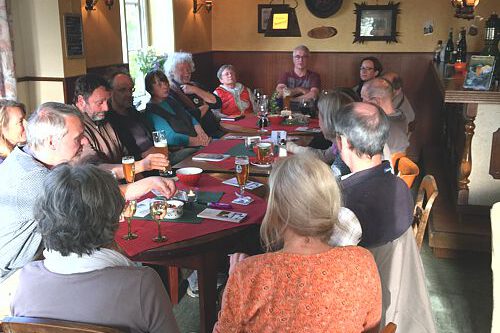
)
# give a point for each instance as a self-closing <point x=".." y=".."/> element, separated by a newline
<point x="250" y="121"/>
<point x="176" y="232"/>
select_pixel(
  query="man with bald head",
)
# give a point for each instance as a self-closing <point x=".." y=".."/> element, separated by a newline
<point x="384" y="207"/>
<point x="379" y="91"/>
<point x="399" y="100"/>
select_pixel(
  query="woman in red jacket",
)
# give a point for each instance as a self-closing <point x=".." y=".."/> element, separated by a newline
<point x="236" y="98"/>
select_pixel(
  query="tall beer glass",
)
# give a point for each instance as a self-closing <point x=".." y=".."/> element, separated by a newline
<point x="242" y="167"/>
<point x="161" y="145"/>
<point x="128" y="212"/>
<point x="264" y="152"/>
<point x="128" y="164"/>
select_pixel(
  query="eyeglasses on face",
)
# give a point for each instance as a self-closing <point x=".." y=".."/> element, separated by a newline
<point x="300" y="57"/>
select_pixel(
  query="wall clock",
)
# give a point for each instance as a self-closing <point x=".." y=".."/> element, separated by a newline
<point x="323" y="8"/>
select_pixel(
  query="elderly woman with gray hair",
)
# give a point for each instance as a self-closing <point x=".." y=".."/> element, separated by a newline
<point x="179" y="67"/>
<point x="236" y="98"/>
<point x="83" y="277"/>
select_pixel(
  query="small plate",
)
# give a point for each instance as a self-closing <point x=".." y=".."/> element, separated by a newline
<point x="260" y="165"/>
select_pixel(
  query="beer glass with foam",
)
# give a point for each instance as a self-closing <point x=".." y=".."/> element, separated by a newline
<point x="161" y="145"/>
<point x="128" y="164"/>
<point x="242" y="167"/>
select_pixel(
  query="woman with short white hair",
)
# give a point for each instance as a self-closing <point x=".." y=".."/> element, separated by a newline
<point x="179" y="67"/>
<point x="236" y="98"/>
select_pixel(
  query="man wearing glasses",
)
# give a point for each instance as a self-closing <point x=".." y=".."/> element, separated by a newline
<point x="369" y="68"/>
<point x="301" y="83"/>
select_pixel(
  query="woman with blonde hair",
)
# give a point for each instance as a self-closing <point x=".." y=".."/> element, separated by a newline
<point x="302" y="284"/>
<point x="12" y="121"/>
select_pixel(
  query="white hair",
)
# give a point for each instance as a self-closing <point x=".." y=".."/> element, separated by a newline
<point x="175" y="59"/>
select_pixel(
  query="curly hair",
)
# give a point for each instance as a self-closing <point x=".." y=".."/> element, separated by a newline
<point x="79" y="209"/>
<point x="86" y="84"/>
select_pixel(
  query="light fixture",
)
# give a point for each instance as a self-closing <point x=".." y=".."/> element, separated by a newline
<point x="464" y="8"/>
<point x="283" y="22"/>
<point x="208" y="4"/>
<point x="90" y="4"/>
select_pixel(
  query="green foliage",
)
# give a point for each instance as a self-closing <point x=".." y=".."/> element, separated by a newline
<point x="147" y="60"/>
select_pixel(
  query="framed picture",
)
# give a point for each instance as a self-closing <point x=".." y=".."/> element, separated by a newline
<point x="73" y="35"/>
<point x="376" y="22"/>
<point x="323" y="8"/>
<point x="479" y="73"/>
<point x="264" y="14"/>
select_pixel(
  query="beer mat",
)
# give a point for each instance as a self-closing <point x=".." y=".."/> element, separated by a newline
<point x="240" y="149"/>
<point x="250" y="185"/>
<point x="178" y="232"/>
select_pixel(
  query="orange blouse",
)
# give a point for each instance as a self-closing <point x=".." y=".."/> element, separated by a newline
<point x="335" y="291"/>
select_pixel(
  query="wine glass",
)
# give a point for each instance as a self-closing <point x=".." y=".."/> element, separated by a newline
<point x="128" y="212"/>
<point x="128" y="164"/>
<point x="242" y="167"/>
<point x="158" y="211"/>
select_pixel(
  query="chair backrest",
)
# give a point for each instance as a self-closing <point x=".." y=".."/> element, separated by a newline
<point x="427" y="193"/>
<point x="389" y="328"/>
<point x="43" y="325"/>
<point x="405" y="168"/>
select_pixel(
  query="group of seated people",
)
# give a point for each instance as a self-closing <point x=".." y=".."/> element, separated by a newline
<point x="61" y="202"/>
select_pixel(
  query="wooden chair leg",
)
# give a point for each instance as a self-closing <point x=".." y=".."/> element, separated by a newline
<point x="173" y="284"/>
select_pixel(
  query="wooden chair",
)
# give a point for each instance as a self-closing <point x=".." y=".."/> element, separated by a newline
<point x="389" y="328"/>
<point x="404" y="168"/>
<point x="427" y="193"/>
<point x="43" y="325"/>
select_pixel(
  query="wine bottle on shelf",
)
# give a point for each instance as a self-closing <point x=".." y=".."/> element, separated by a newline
<point x="491" y="34"/>
<point x="462" y="46"/>
<point x="448" y="51"/>
<point x="437" y="52"/>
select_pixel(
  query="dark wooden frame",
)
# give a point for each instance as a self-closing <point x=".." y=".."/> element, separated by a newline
<point x="73" y="35"/>
<point x="379" y="12"/>
<point x="260" y="17"/>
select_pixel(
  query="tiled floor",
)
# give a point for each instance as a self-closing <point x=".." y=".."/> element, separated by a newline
<point x="460" y="291"/>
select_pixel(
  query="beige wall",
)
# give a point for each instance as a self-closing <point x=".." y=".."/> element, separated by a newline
<point x="102" y="33"/>
<point x="483" y="188"/>
<point x="193" y="32"/>
<point x="77" y="66"/>
<point x="234" y="27"/>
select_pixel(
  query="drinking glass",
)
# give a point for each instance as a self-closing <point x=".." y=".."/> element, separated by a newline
<point x="128" y="212"/>
<point x="263" y="120"/>
<point x="128" y="164"/>
<point x="264" y="152"/>
<point x="161" y="145"/>
<point x="158" y="211"/>
<point x="242" y="167"/>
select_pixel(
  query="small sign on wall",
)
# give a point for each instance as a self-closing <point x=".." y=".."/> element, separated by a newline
<point x="73" y="35"/>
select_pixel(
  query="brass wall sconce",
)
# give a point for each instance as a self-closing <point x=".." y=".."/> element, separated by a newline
<point x="208" y="4"/>
<point x="90" y="4"/>
<point x="464" y="8"/>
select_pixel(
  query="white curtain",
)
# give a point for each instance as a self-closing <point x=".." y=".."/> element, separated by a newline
<point x="7" y="75"/>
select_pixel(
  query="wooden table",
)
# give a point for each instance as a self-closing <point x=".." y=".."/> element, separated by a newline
<point x="209" y="167"/>
<point x="205" y="254"/>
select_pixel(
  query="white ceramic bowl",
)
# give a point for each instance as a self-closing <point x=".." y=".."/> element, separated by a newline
<point x="176" y="211"/>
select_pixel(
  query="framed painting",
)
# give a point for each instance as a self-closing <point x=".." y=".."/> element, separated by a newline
<point x="376" y="22"/>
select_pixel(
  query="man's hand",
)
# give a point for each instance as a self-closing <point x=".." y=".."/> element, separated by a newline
<point x="189" y="89"/>
<point x="203" y="109"/>
<point x="154" y="161"/>
<point x="137" y="189"/>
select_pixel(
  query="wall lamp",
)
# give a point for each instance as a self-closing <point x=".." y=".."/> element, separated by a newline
<point x="90" y="4"/>
<point x="208" y="4"/>
<point x="464" y="8"/>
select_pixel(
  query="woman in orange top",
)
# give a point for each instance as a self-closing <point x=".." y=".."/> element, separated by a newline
<point x="304" y="285"/>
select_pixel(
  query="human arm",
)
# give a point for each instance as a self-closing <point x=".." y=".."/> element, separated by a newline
<point x="173" y="138"/>
<point x="304" y="93"/>
<point x="218" y="111"/>
<point x="326" y="155"/>
<point x="149" y="162"/>
<point x="137" y="189"/>
<point x="201" y="139"/>
<point x="190" y="89"/>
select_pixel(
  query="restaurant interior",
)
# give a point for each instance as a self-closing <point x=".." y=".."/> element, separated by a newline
<point x="455" y="136"/>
